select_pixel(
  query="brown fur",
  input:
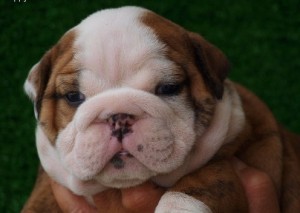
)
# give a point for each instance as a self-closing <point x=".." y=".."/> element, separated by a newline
<point x="41" y="198"/>
<point x="57" y="76"/>
<point x="199" y="55"/>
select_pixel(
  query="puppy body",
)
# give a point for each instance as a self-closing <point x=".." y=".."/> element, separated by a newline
<point x="127" y="96"/>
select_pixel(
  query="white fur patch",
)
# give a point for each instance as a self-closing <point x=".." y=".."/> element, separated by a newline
<point x="30" y="88"/>
<point x="228" y="121"/>
<point x="52" y="164"/>
<point x="177" y="202"/>
<point x="115" y="46"/>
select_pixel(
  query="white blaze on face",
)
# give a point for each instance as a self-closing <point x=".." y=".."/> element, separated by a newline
<point x="121" y="61"/>
<point x="116" y="46"/>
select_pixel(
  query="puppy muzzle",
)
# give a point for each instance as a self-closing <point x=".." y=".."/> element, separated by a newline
<point x="125" y="134"/>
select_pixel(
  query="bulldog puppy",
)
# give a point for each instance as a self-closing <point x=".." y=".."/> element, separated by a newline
<point x="127" y="96"/>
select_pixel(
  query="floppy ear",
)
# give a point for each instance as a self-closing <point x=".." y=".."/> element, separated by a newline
<point x="212" y="64"/>
<point x="39" y="75"/>
<point x="37" y="80"/>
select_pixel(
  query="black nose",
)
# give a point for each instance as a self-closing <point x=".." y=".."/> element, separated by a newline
<point x="121" y="125"/>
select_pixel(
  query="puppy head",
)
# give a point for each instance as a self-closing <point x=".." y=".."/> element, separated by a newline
<point x="123" y="97"/>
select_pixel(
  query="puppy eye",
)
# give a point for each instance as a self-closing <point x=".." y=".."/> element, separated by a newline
<point x="168" y="89"/>
<point x="75" y="98"/>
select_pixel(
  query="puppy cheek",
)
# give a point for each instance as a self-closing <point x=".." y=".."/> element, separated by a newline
<point x="76" y="150"/>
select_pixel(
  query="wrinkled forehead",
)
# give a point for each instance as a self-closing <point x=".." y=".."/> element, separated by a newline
<point x="115" y="43"/>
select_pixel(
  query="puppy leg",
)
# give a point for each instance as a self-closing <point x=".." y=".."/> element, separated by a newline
<point x="216" y="185"/>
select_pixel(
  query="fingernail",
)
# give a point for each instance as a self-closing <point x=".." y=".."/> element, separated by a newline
<point x="238" y="164"/>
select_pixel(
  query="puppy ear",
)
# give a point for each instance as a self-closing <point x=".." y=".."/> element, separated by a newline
<point x="37" y="80"/>
<point x="39" y="75"/>
<point x="212" y="64"/>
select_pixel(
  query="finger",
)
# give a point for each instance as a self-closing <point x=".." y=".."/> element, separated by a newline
<point x="143" y="198"/>
<point x="68" y="202"/>
<point x="259" y="188"/>
<point x="109" y="201"/>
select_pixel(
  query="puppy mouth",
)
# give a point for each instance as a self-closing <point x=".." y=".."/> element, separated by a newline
<point x="118" y="160"/>
<point x="123" y="152"/>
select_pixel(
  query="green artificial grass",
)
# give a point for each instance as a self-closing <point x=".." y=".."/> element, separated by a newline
<point x="261" y="39"/>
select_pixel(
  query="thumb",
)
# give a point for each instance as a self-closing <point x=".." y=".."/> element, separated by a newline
<point x="69" y="202"/>
<point x="259" y="188"/>
<point x="143" y="198"/>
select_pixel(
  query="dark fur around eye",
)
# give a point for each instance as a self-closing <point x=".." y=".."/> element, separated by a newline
<point x="168" y="89"/>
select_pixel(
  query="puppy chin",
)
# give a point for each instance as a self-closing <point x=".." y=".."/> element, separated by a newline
<point x="127" y="172"/>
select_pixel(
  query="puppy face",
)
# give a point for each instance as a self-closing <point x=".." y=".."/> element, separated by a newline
<point x="123" y="97"/>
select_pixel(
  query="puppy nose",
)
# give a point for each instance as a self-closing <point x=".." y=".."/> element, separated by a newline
<point x="120" y="120"/>
<point x="120" y="124"/>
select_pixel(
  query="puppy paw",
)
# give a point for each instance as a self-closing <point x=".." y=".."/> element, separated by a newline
<point x="177" y="202"/>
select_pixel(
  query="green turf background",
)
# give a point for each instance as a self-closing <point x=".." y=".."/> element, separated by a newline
<point x="260" y="37"/>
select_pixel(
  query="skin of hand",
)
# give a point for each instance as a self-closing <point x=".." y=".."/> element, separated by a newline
<point x="258" y="186"/>
<point x="142" y="198"/>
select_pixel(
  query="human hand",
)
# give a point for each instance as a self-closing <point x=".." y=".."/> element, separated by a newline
<point x="259" y="188"/>
<point x="143" y="198"/>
